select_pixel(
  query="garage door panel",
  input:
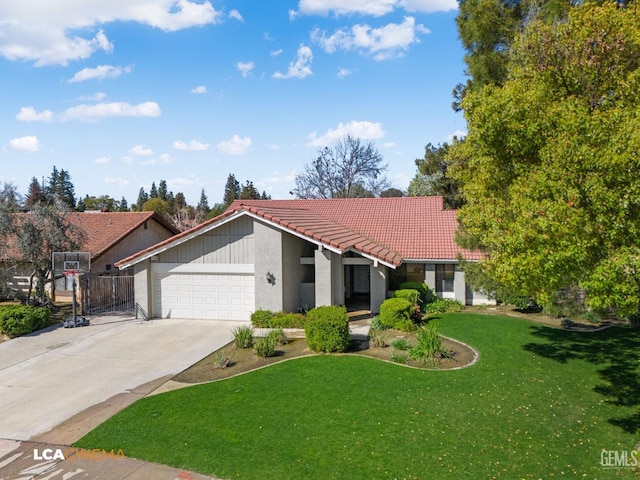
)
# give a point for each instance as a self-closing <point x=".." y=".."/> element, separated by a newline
<point x="204" y="295"/>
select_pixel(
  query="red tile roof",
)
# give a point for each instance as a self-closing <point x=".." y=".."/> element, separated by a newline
<point x="389" y="229"/>
<point x="103" y="230"/>
<point x="417" y="228"/>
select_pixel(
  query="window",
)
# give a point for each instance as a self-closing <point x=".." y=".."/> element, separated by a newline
<point x="407" y="272"/>
<point x="444" y="278"/>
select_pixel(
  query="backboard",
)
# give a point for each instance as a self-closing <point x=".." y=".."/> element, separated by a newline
<point x="80" y="262"/>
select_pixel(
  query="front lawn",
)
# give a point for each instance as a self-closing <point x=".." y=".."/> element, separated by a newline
<point x="540" y="403"/>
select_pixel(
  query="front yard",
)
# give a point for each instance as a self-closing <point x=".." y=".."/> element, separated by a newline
<point x="540" y="403"/>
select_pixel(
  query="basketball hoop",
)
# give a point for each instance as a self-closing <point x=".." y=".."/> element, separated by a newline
<point x="71" y="274"/>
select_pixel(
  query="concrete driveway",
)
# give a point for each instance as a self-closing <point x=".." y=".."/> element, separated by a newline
<point x="54" y="374"/>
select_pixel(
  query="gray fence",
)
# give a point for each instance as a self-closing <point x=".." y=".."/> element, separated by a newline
<point x="107" y="294"/>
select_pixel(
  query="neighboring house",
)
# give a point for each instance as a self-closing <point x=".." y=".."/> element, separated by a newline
<point x="297" y="254"/>
<point x="109" y="237"/>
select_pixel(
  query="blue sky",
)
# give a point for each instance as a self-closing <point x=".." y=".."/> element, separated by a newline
<point x="127" y="92"/>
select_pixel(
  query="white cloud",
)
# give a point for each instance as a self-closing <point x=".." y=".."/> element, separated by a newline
<point x="459" y="134"/>
<point x="93" y="113"/>
<point x="193" y="146"/>
<point x="278" y="177"/>
<point x="102" y="160"/>
<point x="300" y="67"/>
<point x="99" y="72"/>
<point x="245" y="67"/>
<point x="275" y="53"/>
<point x="363" y="130"/>
<point x="163" y="159"/>
<point x="119" y="181"/>
<point x="267" y="36"/>
<point x="41" y="31"/>
<point x="199" y="89"/>
<point x="376" y="8"/>
<point x="180" y="182"/>
<point x="28" y="143"/>
<point x="344" y="72"/>
<point x="389" y="144"/>
<point x="236" y="15"/>
<point x="127" y="159"/>
<point x="389" y="41"/>
<point x="29" y="114"/>
<point x="96" y="97"/>
<point x="235" y="146"/>
<point x="141" y="150"/>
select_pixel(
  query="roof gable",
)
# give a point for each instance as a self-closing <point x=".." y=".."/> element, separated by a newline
<point x="104" y="230"/>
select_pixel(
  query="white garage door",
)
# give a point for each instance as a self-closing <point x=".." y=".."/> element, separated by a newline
<point x="203" y="295"/>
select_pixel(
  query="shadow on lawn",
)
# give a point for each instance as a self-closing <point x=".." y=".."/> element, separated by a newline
<point x="615" y="350"/>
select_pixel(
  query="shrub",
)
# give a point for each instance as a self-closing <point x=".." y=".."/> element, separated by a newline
<point x="18" y="320"/>
<point x="399" y="358"/>
<point x="287" y="320"/>
<point x="405" y="325"/>
<point x="591" y="317"/>
<point x="265" y="347"/>
<point x="376" y="324"/>
<point x="327" y="329"/>
<point x="376" y="340"/>
<point x="444" y="305"/>
<point x="220" y="360"/>
<point x="394" y="310"/>
<point x="428" y="344"/>
<point x="426" y="295"/>
<point x="278" y="336"/>
<point x="401" y="344"/>
<point x="261" y="318"/>
<point x="409" y="294"/>
<point x="243" y="337"/>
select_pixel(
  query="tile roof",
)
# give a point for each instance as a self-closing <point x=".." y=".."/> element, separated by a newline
<point x="103" y="230"/>
<point x="417" y="228"/>
<point x="389" y="229"/>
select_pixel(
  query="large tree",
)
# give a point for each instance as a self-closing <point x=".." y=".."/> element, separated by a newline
<point x="35" y="194"/>
<point x="231" y="190"/>
<point x="433" y="177"/>
<point x="61" y="188"/>
<point x="550" y="169"/>
<point x="345" y="170"/>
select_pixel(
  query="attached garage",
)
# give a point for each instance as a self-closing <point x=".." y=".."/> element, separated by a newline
<point x="208" y="292"/>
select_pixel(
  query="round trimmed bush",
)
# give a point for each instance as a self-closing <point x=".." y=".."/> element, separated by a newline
<point x="327" y="329"/>
<point x="395" y="311"/>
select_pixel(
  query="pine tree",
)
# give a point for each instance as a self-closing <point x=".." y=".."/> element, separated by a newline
<point x="231" y="190"/>
<point x="124" y="205"/>
<point x="143" y="198"/>
<point x="36" y="194"/>
<point x="203" y="204"/>
<point x="249" y="192"/>
<point x="153" y="193"/>
<point x="163" y="191"/>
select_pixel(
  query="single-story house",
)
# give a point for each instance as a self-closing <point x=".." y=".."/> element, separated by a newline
<point x="108" y="237"/>
<point x="297" y="254"/>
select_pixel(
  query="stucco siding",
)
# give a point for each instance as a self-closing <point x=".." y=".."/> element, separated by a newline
<point x="268" y="259"/>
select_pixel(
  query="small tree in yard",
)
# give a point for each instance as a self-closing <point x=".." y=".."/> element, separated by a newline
<point x="32" y="238"/>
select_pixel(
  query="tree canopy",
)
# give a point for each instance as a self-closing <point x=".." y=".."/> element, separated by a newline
<point x="433" y="177"/>
<point x="346" y="170"/>
<point x="550" y="169"/>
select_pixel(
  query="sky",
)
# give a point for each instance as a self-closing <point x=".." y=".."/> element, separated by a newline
<point x="123" y="93"/>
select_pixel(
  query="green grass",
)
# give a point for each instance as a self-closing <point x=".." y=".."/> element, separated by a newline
<point x="540" y="403"/>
